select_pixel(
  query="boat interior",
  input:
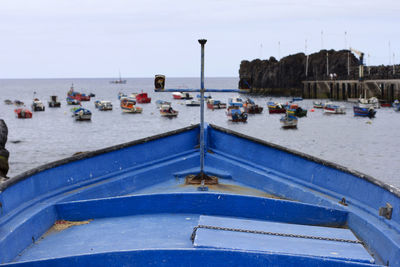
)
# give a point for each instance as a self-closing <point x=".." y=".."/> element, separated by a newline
<point x="131" y="204"/>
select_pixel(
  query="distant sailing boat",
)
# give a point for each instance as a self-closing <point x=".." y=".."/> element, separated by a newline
<point x="120" y="81"/>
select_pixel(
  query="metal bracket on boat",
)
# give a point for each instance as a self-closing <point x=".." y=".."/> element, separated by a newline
<point x="201" y="179"/>
<point x="343" y="202"/>
<point x="386" y="211"/>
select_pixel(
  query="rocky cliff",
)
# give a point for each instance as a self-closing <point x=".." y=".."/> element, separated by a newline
<point x="284" y="77"/>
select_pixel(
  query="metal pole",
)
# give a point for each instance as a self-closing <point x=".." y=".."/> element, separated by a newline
<point x="202" y="146"/>
<point x="327" y="65"/>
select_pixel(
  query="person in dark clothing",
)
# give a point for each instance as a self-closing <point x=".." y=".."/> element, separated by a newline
<point x="4" y="154"/>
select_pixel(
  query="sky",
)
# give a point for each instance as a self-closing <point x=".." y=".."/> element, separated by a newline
<point x="100" y="38"/>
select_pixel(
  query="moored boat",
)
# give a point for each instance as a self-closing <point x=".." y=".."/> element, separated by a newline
<point x="18" y="103"/>
<point x="121" y="95"/>
<point x="180" y="95"/>
<point x="82" y="114"/>
<point x="215" y="104"/>
<point x="369" y="102"/>
<point x="251" y="107"/>
<point x="37" y="105"/>
<point x="119" y="81"/>
<point x="77" y="95"/>
<point x="96" y="103"/>
<point x="54" y="103"/>
<point x="167" y="111"/>
<point x="295" y="110"/>
<point x="143" y="98"/>
<point x="71" y="101"/>
<point x="206" y="97"/>
<point x="396" y="105"/>
<point x="364" y="111"/>
<point x="23" y="113"/>
<point x="192" y="103"/>
<point x="8" y="102"/>
<point x="235" y="101"/>
<point x="289" y="121"/>
<point x="128" y="105"/>
<point x="105" y="105"/>
<point x="297" y="98"/>
<point x="274" y="107"/>
<point x="159" y="103"/>
<point x="330" y="108"/>
<point x="236" y="113"/>
<point x="318" y="104"/>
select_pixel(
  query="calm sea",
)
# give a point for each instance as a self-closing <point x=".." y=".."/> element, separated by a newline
<point x="368" y="146"/>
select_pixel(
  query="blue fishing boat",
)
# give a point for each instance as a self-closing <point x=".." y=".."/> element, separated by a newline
<point x="235" y="101"/>
<point x="289" y="121"/>
<point x="368" y="111"/>
<point x="71" y="101"/>
<point x="135" y="203"/>
<point x="202" y="195"/>
<point x="82" y="114"/>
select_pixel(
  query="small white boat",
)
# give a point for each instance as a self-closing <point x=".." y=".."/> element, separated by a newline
<point x="82" y="114"/>
<point x="180" y="95"/>
<point x="192" y="103"/>
<point x="370" y="102"/>
<point x="168" y="111"/>
<point x="330" y="108"/>
<point x="105" y="105"/>
<point x="289" y="121"/>
<point x="37" y="105"/>
<point x="235" y="101"/>
<point x="159" y="103"/>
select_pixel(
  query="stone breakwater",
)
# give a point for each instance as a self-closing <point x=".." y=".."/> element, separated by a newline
<point x="284" y="77"/>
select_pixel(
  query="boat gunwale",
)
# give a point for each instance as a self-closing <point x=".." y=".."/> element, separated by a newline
<point x="89" y="154"/>
<point x="366" y="177"/>
<point x="395" y="191"/>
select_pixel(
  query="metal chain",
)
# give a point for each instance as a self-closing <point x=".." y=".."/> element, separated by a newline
<point x="271" y="233"/>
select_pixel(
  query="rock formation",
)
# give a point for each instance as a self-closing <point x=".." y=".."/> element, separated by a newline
<point x="284" y="77"/>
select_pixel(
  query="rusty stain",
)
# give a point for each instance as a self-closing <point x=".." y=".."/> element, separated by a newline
<point x="237" y="189"/>
<point x="60" y="225"/>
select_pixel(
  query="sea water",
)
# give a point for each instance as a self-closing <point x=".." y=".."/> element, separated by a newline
<point x="370" y="146"/>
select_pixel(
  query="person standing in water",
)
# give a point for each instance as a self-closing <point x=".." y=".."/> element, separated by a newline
<point x="4" y="154"/>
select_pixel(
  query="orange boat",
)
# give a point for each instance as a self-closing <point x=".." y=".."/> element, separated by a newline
<point x="128" y="106"/>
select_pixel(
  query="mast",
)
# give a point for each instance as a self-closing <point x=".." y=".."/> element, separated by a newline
<point x="202" y="43"/>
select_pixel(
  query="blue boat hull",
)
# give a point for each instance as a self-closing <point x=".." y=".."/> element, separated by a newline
<point x="364" y="112"/>
<point x="134" y="207"/>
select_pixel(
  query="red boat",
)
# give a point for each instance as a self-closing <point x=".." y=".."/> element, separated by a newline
<point x="274" y="107"/>
<point x="143" y="98"/>
<point x="76" y="95"/>
<point x="23" y="113"/>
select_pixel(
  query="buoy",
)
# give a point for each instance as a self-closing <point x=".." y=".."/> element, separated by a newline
<point x="312" y="110"/>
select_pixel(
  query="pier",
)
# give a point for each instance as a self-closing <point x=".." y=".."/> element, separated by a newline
<point x="385" y="90"/>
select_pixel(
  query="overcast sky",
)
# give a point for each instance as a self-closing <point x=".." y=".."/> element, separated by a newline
<point x="99" y="38"/>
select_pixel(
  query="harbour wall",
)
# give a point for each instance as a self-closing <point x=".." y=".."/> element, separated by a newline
<point x="318" y="75"/>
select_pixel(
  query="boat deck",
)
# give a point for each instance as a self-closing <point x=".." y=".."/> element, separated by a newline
<point x="164" y="216"/>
